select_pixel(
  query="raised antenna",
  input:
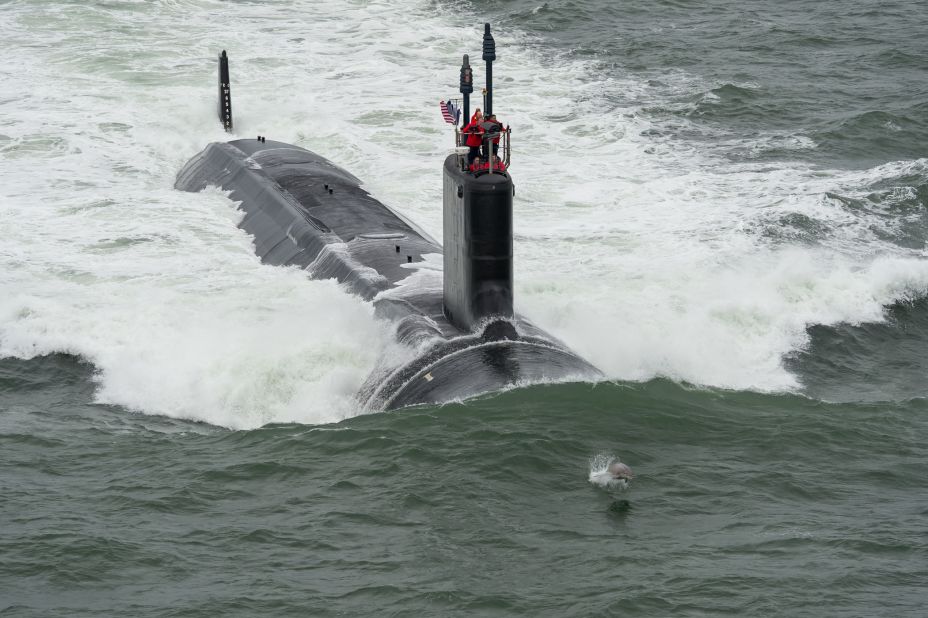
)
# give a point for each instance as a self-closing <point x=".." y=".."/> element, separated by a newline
<point x="467" y="86"/>
<point x="489" y="54"/>
<point x="225" y="93"/>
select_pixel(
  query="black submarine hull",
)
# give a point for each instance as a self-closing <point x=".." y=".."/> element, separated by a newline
<point x="303" y="210"/>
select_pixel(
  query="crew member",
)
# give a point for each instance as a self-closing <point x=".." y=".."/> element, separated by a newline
<point x="474" y="134"/>
<point x="493" y="129"/>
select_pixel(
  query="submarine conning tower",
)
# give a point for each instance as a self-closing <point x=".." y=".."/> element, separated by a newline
<point x="477" y="217"/>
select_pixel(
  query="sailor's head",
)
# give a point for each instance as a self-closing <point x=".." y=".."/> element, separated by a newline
<point x="620" y="472"/>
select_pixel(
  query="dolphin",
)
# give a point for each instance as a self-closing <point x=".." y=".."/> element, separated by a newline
<point x="620" y="474"/>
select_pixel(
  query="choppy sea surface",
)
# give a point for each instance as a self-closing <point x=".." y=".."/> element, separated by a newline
<point x="720" y="204"/>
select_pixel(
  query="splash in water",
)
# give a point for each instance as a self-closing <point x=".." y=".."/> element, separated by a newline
<point x="608" y="472"/>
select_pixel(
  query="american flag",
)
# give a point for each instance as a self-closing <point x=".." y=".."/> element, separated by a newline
<point x="450" y="112"/>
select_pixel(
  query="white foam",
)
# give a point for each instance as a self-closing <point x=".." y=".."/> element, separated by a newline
<point x="645" y="253"/>
<point x="181" y="319"/>
<point x="424" y="276"/>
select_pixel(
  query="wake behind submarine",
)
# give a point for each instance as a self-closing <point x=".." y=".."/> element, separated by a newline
<point x="305" y="211"/>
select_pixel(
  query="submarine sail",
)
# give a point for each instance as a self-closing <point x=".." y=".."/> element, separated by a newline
<point x="303" y="210"/>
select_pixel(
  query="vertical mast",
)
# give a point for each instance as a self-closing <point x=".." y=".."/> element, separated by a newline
<point x="225" y="93"/>
<point x="489" y="54"/>
<point x="467" y="86"/>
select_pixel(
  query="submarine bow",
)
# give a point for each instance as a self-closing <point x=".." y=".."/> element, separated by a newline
<point x="305" y="211"/>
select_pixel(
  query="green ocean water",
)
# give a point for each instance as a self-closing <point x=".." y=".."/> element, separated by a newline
<point x="744" y="504"/>
<point x="803" y="501"/>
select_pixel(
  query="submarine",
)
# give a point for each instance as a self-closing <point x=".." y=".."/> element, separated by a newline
<point x="465" y="338"/>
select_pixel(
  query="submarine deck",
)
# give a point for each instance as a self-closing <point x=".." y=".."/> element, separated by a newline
<point x="305" y="211"/>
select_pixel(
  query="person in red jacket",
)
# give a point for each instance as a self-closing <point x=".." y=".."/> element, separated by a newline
<point x="474" y="136"/>
<point x="494" y="127"/>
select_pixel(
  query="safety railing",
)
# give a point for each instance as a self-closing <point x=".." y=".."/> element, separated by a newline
<point x="488" y="160"/>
